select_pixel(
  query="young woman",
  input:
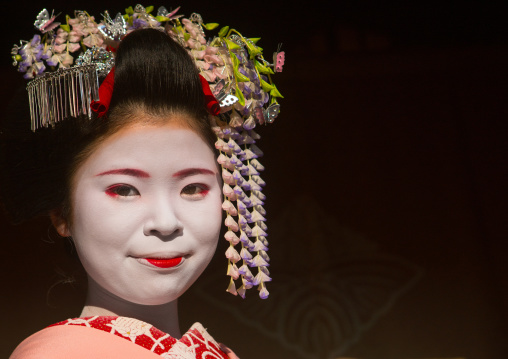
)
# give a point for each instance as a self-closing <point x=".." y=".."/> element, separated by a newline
<point x="137" y="188"/>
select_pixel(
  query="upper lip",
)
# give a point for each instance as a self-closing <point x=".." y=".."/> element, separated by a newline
<point x="160" y="255"/>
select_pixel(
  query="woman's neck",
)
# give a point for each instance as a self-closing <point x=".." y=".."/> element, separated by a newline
<point x="101" y="302"/>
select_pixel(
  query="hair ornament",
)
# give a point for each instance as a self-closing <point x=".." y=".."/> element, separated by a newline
<point x="44" y="22"/>
<point x="60" y="94"/>
<point x="111" y="29"/>
<point x="101" y="106"/>
<point x="65" y="62"/>
<point x="212" y="105"/>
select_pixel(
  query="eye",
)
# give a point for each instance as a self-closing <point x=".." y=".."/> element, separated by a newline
<point x="195" y="190"/>
<point x="122" y="190"/>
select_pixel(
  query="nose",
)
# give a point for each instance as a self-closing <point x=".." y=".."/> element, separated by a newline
<point x="162" y="221"/>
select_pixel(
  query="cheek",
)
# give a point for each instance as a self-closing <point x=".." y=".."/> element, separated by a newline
<point x="97" y="225"/>
<point x="205" y="220"/>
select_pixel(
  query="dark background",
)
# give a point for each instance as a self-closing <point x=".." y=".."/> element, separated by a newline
<point x="386" y="174"/>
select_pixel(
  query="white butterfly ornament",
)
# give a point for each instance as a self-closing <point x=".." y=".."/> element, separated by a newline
<point x="113" y="29"/>
<point x="269" y="114"/>
<point x="221" y="96"/>
<point x="162" y="11"/>
<point x="44" y="22"/>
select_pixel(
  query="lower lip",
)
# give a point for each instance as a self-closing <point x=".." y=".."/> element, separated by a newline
<point x="165" y="263"/>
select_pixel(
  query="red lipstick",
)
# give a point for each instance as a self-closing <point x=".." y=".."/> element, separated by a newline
<point x="165" y="262"/>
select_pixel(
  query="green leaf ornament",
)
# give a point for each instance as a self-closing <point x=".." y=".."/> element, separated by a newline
<point x="275" y="93"/>
<point x="210" y="26"/>
<point x="235" y="61"/>
<point x="223" y="31"/>
<point x="240" y="77"/>
<point x="232" y="45"/>
<point x="239" y="94"/>
<point x="253" y="49"/>
<point x="263" y="69"/>
<point x="66" y="27"/>
<point x="161" y="18"/>
<point x="149" y="9"/>
<point x="266" y="86"/>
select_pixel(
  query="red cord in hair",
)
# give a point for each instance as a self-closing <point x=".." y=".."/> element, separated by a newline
<point x="210" y="101"/>
<point x="105" y="92"/>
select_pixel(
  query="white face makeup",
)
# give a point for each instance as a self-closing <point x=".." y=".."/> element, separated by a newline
<point x="147" y="212"/>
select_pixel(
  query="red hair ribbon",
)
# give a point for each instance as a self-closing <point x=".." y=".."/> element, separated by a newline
<point x="210" y="101"/>
<point x="105" y="92"/>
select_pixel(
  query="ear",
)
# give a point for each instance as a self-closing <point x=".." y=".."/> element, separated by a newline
<point x="60" y="223"/>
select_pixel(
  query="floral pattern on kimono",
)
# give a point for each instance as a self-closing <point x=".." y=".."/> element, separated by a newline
<point x="195" y="344"/>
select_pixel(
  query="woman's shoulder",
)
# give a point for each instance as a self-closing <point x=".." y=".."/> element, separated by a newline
<point x="117" y="337"/>
<point x="59" y="342"/>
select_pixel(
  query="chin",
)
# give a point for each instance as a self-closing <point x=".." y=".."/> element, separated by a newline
<point x="155" y="296"/>
<point x="155" y="301"/>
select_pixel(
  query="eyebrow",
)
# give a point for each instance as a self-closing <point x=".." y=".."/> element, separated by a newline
<point x="192" y="171"/>
<point x="126" y="171"/>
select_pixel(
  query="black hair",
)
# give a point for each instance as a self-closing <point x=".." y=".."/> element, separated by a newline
<point x="153" y="73"/>
<point x="161" y="81"/>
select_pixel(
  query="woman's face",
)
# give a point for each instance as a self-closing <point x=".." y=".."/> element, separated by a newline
<point x="147" y="212"/>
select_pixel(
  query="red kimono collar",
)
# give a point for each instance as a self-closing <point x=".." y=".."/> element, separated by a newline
<point x="196" y="343"/>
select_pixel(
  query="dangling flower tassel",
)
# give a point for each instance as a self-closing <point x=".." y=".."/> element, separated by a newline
<point x="241" y="291"/>
<point x="261" y="277"/>
<point x="231" y="223"/>
<point x="229" y="208"/>
<point x="231" y="287"/>
<point x="233" y="255"/>
<point x="232" y="237"/>
<point x="228" y="177"/>
<point x="233" y="271"/>
<point x="247" y="283"/>
<point x="263" y="292"/>
<point x="259" y="261"/>
<point x="240" y="172"/>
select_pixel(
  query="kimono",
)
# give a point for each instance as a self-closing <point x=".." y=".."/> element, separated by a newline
<point x="118" y="337"/>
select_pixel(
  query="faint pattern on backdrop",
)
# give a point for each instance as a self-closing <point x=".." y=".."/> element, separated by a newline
<point x="330" y="284"/>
